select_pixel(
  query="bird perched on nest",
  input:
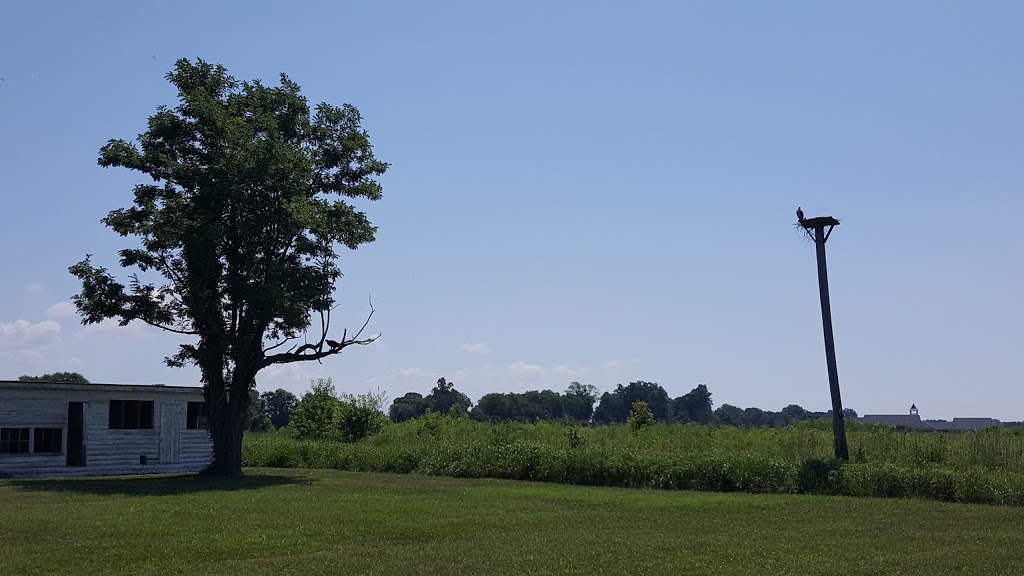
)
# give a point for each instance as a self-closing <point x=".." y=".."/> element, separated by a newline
<point x="799" y="214"/>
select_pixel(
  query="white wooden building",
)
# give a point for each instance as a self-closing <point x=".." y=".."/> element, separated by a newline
<point x="63" y="429"/>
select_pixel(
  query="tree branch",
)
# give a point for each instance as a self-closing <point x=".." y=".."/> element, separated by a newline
<point x="167" y="328"/>
<point x="334" y="347"/>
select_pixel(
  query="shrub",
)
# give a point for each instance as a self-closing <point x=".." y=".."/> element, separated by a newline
<point x="316" y="416"/>
<point x="640" y="415"/>
<point x="360" y="416"/>
<point x="816" y="475"/>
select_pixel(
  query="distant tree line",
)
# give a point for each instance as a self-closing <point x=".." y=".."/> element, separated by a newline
<point x="578" y="403"/>
<point x="730" y="415"/>
<point x="271" y="411"/>
<point x="581" y="403"/>
<point x="64" y="377"/>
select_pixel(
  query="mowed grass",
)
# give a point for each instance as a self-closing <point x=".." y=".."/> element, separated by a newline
<point x="329" y="522"/>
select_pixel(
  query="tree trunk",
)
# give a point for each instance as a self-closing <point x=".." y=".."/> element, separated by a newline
<point x="226" y="410"/>
<point x="227" y="446"/>
<point x="227" y="395"/>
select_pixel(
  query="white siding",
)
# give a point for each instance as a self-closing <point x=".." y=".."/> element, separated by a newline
<point x="27" y="410"/>
<point x="106" y="451"/>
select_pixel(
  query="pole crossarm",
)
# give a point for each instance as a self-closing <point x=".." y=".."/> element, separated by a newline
<point x="819" y="228"/>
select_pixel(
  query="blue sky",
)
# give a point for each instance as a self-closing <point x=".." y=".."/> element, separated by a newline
<point x="584" y="191"/>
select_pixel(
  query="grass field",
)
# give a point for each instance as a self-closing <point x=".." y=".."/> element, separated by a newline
<point x="326" y="522"/>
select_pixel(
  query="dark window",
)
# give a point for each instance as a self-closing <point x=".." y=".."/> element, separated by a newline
<point x="130" y="414"/>
<point x="195" y="416"/>
<point x="14" y="440"/>
<point x="48" y="440"/>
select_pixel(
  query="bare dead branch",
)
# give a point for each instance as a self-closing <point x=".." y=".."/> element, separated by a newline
<point x="334" y="347"/>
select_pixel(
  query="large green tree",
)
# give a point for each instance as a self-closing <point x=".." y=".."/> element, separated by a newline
<point x="238" y="232"/>
<point x="579" y="401"/>
<point x="443" y="397"/>
<point x="277" y="405"/>
<point x="694" y="406"/>
<point x="412" y="405"/>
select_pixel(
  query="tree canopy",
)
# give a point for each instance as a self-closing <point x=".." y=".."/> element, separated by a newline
<point x="443" y="398"/>
<point x="73" y="377"/>
<point x="616" y="405"/>
<point x="238" y="228"/>
<point x="277" y="405"/>
<point x="577" y="403"/>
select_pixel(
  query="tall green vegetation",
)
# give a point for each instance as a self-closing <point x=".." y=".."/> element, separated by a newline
<point x="986" y="466"/>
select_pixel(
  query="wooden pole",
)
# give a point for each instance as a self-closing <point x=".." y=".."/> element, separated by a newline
<point x="842" y="452"/>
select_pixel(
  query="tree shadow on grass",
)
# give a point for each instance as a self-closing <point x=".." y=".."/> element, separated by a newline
<point x="163" y="485"/>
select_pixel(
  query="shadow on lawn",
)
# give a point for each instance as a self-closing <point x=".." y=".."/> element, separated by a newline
<point x="159" y="485"/>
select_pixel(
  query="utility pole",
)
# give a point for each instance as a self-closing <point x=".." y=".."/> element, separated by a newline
<point x="819" y="229"/>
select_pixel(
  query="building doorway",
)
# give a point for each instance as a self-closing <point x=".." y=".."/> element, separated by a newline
<point x="76" y="434"/>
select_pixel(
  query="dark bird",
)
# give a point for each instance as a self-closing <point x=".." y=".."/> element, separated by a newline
<point x="799" y="214"/>
<point x="333" y="344"/>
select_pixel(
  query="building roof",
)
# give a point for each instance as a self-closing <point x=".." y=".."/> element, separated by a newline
<point x="973" y="423"/>
<point x="899" y="420"/>
<point x="78" y="386"/>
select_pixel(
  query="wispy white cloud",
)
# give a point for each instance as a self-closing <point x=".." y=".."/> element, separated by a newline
<point x="524" y="371"/>
<point x="413" y="373"/>
<point x="34" y="287"/>
<point x="475" y="348"/>
<point x="28" y="344"/>
<point x="403" y="376"/>
<point x="25" y="333"/>
<point x="61" y="310"/>
<point x="566" y="371"/>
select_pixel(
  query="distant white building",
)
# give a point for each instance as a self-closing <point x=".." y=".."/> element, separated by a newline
<point x="64" y="429"/>
<point x="912" y="421"/>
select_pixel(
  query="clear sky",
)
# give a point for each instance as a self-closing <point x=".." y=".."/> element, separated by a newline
<point x="589" y="191"/>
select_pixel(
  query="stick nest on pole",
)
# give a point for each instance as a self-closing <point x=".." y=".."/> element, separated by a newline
<point x="824" y="223"/>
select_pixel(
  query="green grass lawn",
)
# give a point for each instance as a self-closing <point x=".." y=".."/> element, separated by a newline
<point x="327" y="522"/>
